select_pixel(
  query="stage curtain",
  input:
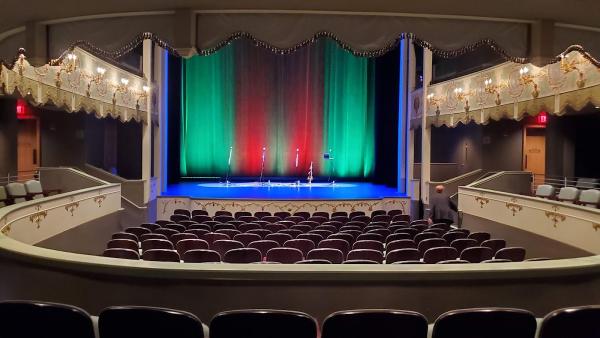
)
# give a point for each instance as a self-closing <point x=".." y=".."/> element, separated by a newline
<point x="348" y="113"/>
<point x="208" y="113"/>
<point x="295" y="106"/>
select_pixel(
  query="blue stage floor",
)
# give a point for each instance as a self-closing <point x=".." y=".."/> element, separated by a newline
<point x="282" y="191"/>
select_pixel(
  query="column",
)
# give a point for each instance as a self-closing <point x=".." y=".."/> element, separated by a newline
<point x="161" y="136"/>
<point x="403" y="116"/>
<point x="426" y="129"/>
<point x="36" y="43"/>
<point x="412" y="74"/>
<point x="147" y="127"/>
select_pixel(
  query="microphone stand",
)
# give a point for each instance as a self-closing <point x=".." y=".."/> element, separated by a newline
<point x="262" y="166"/>
<point x="298" y="180"/>
<point x="228" y="166"/>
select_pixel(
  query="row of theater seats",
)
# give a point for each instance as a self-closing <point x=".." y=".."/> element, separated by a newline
<point x="35" y="319"/>
<point x="589" y="197"/>
<point x="17" y="192"/>
<point x="308" y="241"/>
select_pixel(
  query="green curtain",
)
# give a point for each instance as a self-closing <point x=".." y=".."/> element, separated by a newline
<point x="348" y="113"/>
<point x="206" y="131"/>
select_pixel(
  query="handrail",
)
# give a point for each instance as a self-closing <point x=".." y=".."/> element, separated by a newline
<point x="496" y="175"/>
<point x="457" y="178"/>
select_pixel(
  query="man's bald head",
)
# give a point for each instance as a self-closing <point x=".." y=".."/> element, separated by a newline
<point x="439" y="189"/>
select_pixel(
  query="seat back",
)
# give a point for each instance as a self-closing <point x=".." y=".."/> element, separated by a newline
<point x="580" y="322"/>
<point x="38" y="319"/>
<point x="186" y="245"/>
<point x="279" y="238"/>
<point x="366" y="254"/>
<point x="122" y="244"/>
<point x="368" y="244"/>
<point x="247" y="238"/>
<point x="161" y="255"/>
<point x="263" y="324"/>
<point x="148" y="322"/>
<point x="514" y="254"/>
<point x="401" y="244"/>
<point x="545" y="191"/>
<point x="568" y="194"/>
<point x="477" y="254"/>
<point x="590" y="197"/>
<point x="222" y="246"/>
<point x="480" y="237"/>
<point x="429" y="243"/>
<point x="137" y="231"/>
<point x="339" y="244"/>
<point x="304" y="245"/>
<point x="375" y="323"/>
<point x="494" y="244"/>
<point x="439" y="254"/>
<point x="485" y="322"/>
<point x="201" y="256"/>
<point x="121" y="253"/>
<point x="463" y="243"/>
<point x="263" y="245"/>
<point x="17" y="192"/>
<point x="284" y="255"/>
<point x="124" y="235"/>
<point x="34" y="189"/>
<point x="151" y="244"/>
<point x="242" y="255"/>
<point x="182" y="212"/>
<point x="400" y="255"/>
<point x="334" y="256"/>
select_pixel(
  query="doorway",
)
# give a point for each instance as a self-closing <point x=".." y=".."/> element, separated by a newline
<point x="534" y="152"/>
<point x="28" y="147"/>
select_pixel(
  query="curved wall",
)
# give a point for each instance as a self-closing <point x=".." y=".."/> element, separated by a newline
<point x="93" y="282"/>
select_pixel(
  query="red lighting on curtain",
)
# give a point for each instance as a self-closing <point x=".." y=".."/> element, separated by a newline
<point x="542" y="118"/>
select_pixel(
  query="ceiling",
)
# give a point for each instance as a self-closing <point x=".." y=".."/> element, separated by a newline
<point x="576" y="12"/>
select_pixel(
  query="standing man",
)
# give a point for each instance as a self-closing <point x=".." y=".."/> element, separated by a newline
<point x="440" y="210"/>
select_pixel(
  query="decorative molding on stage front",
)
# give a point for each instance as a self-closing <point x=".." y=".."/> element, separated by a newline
<point x="510" y="91"/>
<point x="166" y="205"/>
<point x="77" y="82"/>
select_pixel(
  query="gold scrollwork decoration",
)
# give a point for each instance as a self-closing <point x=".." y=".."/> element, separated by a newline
<point x="38" y="217"/>
<point x="6" y="230"/>
<point x="555" y="217"/>
<point x="71" y="207"/>
<point x="513" y="206"/>
<point x="482" y="201"/>
<point x="99" y="199"/>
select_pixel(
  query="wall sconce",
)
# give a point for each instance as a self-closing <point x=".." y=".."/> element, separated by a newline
<point x="21" y="61"/>
<point x="527" y="78"/>
<point x="568" y="65"/>
<point x="143" y="95"/>
<point x="491" y="88"/>
<point x="120" y="88"/>
<point x="67" y="65"/>
<point x="96" y="79"/>
<point x="434" y="101"/>
<point x="461" y="95"/>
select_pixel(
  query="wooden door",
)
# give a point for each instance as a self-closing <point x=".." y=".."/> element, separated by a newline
<point x="534" y="152"/>
<point x="28" y="148"/>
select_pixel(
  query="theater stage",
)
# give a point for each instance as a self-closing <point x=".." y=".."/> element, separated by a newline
<point x="280" y="196"/>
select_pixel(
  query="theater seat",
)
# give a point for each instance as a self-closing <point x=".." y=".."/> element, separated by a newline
<point x="148" y="322"/>
<point x="485" y="323"/>
<point x="31" y="319"/>
<point x="545" y="191"/>
<point x="568" y="194"/>
<point x="263" y="324"/>
<point x="590" y="198"/>
<point x="576" y="322"/>
<point x="34" y="189"/>
<point x="17" y="192"/>
<point x="375" y="323"/>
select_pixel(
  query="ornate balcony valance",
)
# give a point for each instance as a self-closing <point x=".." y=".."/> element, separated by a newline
<point x="79" y="81"/>
<point x="509" y="90"/>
